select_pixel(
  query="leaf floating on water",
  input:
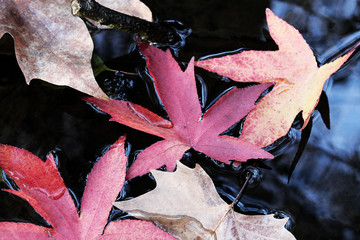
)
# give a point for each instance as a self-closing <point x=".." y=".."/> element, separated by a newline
<point x="190" y="192"/>
<point x="177" y="91"/>
<point x="42" y="186"/>
<point x="50" y="43"/>
<point x="299" y="81"/>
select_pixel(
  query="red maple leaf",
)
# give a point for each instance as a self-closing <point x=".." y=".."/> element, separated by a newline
<point x="189" y="128"/>
<point x="42" y="186"/>
<point x="293" y="68"/>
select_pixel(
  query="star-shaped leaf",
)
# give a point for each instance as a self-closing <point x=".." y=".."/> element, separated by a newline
<point x="293" y="68"/>
<point x="42" y="186"/>
<point x="189" y="128"/>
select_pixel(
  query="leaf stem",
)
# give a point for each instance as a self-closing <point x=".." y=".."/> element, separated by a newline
<point x="157" y="32"/>
<point x="238" y="196"/>
<point x="241" y="192"/>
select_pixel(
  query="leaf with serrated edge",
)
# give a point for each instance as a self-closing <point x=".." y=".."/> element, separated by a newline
<point x="189" y="128"/>
<point x="299" y="81"/>
<point x="191" y="193"/>
<point x="42" y="186"/>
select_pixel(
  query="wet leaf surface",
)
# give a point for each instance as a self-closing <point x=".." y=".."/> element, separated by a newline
<point x="42" y="186"/>
<point x="188" y="128"/>
<point x="50" y="43"/>
<point x="190" y="193"/>
<point x="322" y="197"/>
<point x="293" y="68"/>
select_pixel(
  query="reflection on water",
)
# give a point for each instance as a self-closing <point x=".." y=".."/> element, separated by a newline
<point x="322" y="198"/>
<point x="344" y="99"/>
<point x="325" y="186"/>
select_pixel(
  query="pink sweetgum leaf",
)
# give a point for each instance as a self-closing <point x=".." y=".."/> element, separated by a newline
<point x="138" y="230"/>
<point x="293" y="68"/>
<point x="103" y="185"/>
<point x="42" y="186"/>
<point x="19" y="231"/>
<point x="189" y="128"/>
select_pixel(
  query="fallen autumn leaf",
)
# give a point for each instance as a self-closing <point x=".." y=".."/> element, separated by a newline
<point x="293" y="68"/>
<point x="189" y="128"/>
<point x="42" y="186"/>
<point x="50" y="43"/>
<point x="187" y="205"/>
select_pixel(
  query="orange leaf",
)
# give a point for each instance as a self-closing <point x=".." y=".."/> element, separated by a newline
<point x="293" y="68"/>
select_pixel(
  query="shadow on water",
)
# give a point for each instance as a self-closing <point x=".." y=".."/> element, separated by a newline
<point x="322" y="198"/>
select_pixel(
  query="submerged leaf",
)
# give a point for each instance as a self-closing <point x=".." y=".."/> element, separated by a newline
<point x="98" y="65"/>
<point x="180" y="226"/>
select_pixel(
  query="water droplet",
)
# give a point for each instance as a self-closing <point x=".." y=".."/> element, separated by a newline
<point x="155" y="121"/>
<point x="54" y="194"/>
<point x="53" y="190"/>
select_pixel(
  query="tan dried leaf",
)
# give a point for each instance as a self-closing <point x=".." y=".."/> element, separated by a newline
<point x="50" y="43"/>
<point x="134" y="8"/>
<point x="191" y="193"/>
<point x="180" y="226"/>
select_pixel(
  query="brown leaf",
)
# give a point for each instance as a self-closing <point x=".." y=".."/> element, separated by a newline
<point x="180" y="226"/>
<point x="134" y="8"/>
<point x="190" y="193"/>
<point x="50" y="43"/>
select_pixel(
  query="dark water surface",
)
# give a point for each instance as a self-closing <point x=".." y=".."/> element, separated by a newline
<point x="322" y="198"/>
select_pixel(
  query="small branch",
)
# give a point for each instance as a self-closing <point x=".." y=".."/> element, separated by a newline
<point x="148" y="31"/>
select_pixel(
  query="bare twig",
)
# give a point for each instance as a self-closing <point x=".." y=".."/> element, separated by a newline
<point x="149" y="31"/>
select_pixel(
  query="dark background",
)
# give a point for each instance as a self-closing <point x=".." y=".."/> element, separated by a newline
<point x="322" y="198"/>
